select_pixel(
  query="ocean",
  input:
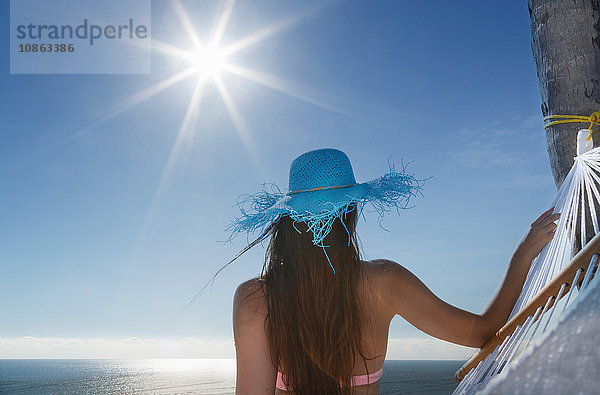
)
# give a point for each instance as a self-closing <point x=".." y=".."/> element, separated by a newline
<point x="187" y="376"/>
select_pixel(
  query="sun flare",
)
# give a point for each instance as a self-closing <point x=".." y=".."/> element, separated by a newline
<point x="208" y="61"/>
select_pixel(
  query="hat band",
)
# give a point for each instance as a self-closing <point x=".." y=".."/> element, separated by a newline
<point x="321" y="188"/>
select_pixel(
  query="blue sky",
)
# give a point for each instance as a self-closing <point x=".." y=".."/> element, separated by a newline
<point x="110" y="224"/>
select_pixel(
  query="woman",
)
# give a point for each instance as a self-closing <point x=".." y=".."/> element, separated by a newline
<point x="317" y="319"/>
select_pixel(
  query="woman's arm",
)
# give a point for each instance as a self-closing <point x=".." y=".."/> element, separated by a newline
<point x="411" y="299"/>
<point x="255" y="371"/>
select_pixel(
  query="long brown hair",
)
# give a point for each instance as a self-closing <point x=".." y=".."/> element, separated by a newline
<point x="315" y="318"/>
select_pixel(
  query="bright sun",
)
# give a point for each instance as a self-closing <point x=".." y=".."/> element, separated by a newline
<point x="208" y="61"/>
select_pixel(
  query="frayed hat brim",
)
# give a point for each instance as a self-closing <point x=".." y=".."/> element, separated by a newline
<point x="319" y="209"/>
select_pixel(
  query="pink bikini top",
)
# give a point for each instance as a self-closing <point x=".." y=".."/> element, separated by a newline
<point x="362" y="379"/>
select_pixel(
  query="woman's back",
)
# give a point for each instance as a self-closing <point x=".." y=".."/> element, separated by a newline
<point x="375" y="330"/>
<point x="251" y="307"/>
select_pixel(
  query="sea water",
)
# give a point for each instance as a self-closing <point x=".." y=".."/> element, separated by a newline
<point x="187" y="376"/>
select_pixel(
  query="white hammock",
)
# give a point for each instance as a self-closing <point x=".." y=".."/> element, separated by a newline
<point x="577" y="201"/>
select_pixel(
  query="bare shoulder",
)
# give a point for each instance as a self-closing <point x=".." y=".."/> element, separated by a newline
<point x="390" y="282"/>
<point x="396" y="278"/>
<point x="255" y="371"/>
<point x="249" y="301"/>
<point x="386" y="270"/>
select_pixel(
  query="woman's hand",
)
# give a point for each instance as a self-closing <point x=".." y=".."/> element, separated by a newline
<point x="541" y="232"/>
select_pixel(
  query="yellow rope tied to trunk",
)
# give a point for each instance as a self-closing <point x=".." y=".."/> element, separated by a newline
<point x="593" y="119"/>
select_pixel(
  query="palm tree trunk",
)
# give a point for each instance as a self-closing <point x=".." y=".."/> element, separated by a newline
<point x="565" y="39"/>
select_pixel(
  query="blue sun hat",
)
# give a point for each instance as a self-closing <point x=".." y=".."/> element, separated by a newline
<point x="322" y="188"/>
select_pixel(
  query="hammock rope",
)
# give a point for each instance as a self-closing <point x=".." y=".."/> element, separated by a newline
<point x="550" y="276"/>
<point x="592" y="119"/>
